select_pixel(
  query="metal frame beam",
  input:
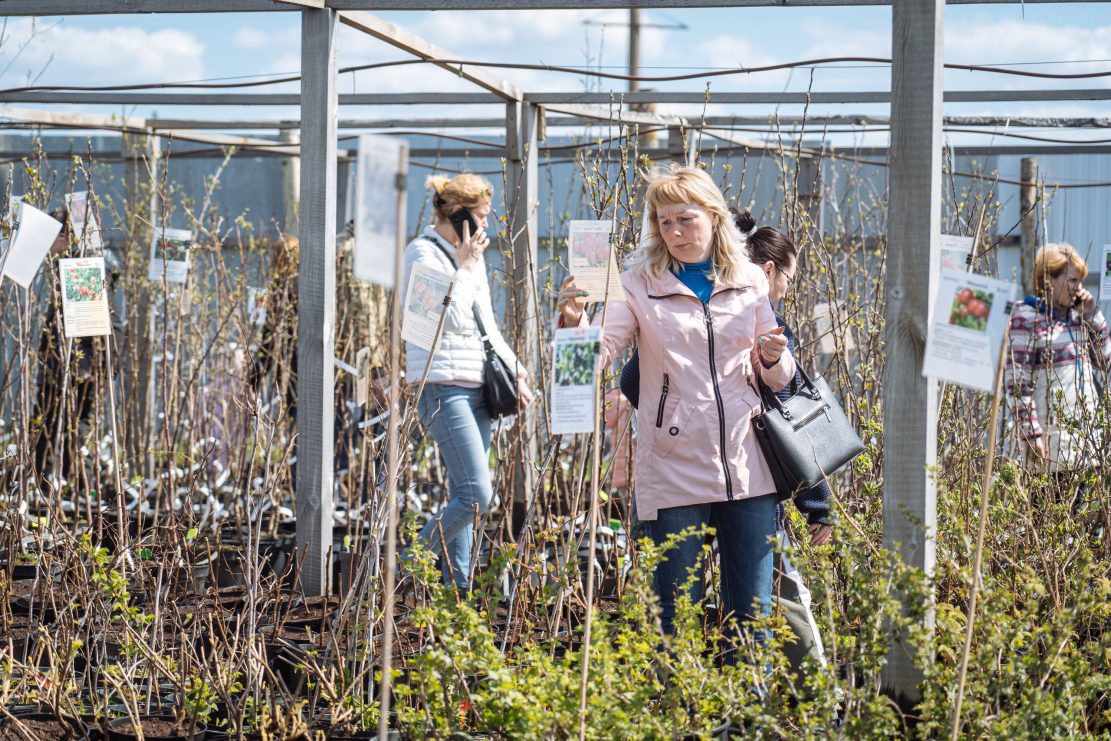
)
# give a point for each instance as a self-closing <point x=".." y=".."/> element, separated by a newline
<point x="107" y="7"/>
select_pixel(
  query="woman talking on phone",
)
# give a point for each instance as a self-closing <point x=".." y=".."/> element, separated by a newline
<point x="699" y="311"/>
<point x="451" y="407"/>
<point x="1058" y="336"/>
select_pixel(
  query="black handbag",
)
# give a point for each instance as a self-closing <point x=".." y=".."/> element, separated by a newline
<point x="499" y="382"/>
<point x="806" y="438"/>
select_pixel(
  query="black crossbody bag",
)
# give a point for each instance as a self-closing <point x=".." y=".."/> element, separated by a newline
<point x="806" y="438"/>
<point x="499" y="383"/>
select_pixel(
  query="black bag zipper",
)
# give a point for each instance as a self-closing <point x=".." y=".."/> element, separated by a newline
<point x="663" y="400"/>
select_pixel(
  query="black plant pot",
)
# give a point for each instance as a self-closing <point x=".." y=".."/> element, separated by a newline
<point x="121" y="729"/>
<point x="45" y="725"/>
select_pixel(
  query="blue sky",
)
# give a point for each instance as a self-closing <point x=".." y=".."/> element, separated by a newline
<point x="133" y="49"/>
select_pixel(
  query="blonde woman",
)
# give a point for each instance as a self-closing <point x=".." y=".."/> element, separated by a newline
<point x="1058" y="336"/>
<point x="451" y="408"/>
<point x="699" y="311"/>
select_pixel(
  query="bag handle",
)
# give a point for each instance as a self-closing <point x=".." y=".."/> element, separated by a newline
<point x="771" y="401"/>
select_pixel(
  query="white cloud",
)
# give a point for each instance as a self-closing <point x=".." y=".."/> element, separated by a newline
<point x="67" y="53"/>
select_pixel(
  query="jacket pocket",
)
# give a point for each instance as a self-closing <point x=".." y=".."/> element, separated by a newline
<point x="674" y="425"/>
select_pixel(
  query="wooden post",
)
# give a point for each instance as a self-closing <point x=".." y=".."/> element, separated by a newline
<point x="914" y="227"/>
<point x="1027" y="202"/>
<point x="316" y="290"/>
<point x="634" y="48"/>
<point x="291" y="183"/>
<point x="521" y="203"/>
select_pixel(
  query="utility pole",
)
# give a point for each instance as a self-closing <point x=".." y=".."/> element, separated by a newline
<point x="634" y="48"/>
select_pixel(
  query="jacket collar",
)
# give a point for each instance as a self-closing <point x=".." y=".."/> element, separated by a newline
<point x="667" y="284"/>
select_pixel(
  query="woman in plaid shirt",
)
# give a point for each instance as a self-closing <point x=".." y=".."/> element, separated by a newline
<point x="1058" y="339"/>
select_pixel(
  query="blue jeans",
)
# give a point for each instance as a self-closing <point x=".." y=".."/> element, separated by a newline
<point x="457" y="420"/>
<point x="745" y="533"/>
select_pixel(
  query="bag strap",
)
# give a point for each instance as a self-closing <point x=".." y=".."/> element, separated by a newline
<point x="435" y="239"/>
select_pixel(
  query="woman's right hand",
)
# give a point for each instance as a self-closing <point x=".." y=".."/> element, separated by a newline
<point x="1037" y="448"/>
<point x="571" y="302"/>
<point x="471" y="248"/>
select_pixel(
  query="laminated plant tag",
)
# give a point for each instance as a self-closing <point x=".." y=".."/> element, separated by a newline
<point x="380" y="167"/>
<point x="955" y="251"/>
<point x="362" y="376"/>
<point x="423" y="304"/>
<point x="34" y="234"/>
<point x="590" y="259"/>
<point x="574" y="386"/>
<point x="84" y="297"/>
<point x="826" y="315"/>
<point x="966" y="329"/>
<point x="1105" y="274"/>
<point x="169" y="255"/>
<point x="83" y="219"/>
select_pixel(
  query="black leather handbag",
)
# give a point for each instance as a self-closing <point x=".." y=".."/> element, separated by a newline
<point x="499" y="382"/>
<point x="806" y="438"/>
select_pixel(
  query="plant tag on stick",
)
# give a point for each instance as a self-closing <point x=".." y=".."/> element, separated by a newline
<point x="83" y="219"/>
<point x="1105" y="274"/>
<point x="966" y="329"/>
<point x="574" y="385"/>
<point x="826" y="315"/>
<point x="84" y="297"/>
<point x="34" y="234"/>
<point x="955" y="251"/>
<point x="590" y="258"/>
<point x="362" y="376"/>
<point x="380" y="165"/>
<point x="169" y="255"/>
<point x="423" y="304"/>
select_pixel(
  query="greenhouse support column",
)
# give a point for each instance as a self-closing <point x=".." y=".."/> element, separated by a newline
<point x="316" y="287"/>
<point x="1027" y="205"/>
<point x="521" y="200"/>
<point x="291" y="183"/>
<point x="914" y="225"/>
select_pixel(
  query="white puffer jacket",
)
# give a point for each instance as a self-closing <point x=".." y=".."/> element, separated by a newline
<point x="460" y="357"/>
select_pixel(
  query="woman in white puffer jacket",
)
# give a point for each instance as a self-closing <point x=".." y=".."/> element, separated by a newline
<point x="451" y="408"/>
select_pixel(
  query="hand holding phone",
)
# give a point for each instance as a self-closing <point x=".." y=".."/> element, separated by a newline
<point x="473" y="238"/>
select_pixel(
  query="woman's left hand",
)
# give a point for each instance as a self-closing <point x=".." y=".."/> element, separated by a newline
<point x="524" y="394"/>
<point x="819" y="533"/>
<point x="771" y="345"/>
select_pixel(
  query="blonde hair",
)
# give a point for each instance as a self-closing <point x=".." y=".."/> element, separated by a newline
<point x="674" y="183"/>
<point x="466" y="190"/>
<point x="1052" y="260"/>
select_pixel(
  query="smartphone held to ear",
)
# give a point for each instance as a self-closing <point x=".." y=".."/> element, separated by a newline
<point x="461" y="217"/>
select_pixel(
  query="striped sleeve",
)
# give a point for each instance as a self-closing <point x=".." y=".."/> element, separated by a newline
<point x="1100" y="339"/>
<point x="1023" y="360"/>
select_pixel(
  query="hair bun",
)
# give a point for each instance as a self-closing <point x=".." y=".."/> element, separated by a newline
<point x="745" y="223"/>
<point x="436" y="183"/>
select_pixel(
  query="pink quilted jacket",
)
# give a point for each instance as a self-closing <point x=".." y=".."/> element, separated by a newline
<point x="695" y="443"/>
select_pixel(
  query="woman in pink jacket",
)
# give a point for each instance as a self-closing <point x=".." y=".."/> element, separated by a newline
<point x="699" y="311"/>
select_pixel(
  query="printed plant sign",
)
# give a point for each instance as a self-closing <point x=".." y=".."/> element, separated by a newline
<point x="424" y="303"/>
<point x="955" y="251"/>
<point x="966" y="329"/>
<point x="575" y="370"/>
<point x="84" y="300"/>
<point x="1105" y="276"/>
<point x="378" y="201"/>
<point x="971" y="308"/>
<point x="591" y="259"/>
<point x="169" y="255"/>
<point x="362" y="376"/>
<point x="34" y="235"/>
<point x="83" y="219"/>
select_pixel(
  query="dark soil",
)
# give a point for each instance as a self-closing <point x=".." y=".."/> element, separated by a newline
<point x="155" y="728"/>
<point x="41" y="730"/>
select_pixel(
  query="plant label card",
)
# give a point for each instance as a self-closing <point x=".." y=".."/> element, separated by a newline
<point x="83" y="219"/>
<point x="424" y="303"/>
<point x="34" y="235"/>
<point x="169" y="255"/>
<point x="362" y="376"/>
<point x="1105" y="274"/>
<point x="84" y="297"/>
<point x="825" y="316"/>
<point x="955" y="251"/>
<point x="12" y="215"/>
<point x="378" y="202"/>
<point x="966" y="329"/>
<point x="574" y="370"/>
<point x="590" y="258"/>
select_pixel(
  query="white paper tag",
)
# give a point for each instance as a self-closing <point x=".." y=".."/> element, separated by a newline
<point x="30" y="243"/>
<point x="574" y="379"/>
<point x="590" y="258"/>
<point x="84" y="297"/>
<point x="169" y="255"/>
